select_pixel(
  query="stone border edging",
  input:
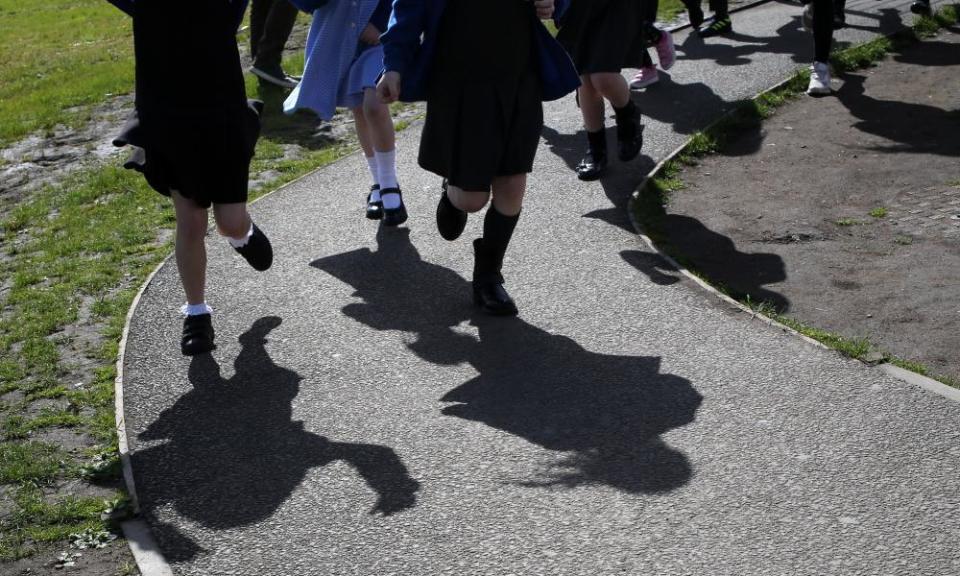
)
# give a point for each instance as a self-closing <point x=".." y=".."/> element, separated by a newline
<point x="897" y="372"/>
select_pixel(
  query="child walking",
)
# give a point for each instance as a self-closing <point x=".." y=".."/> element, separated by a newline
<point x="603" y="37"/>
<point x="344" y="60"/>
<point x="195" y="145"/>
<point x="484" y="68"/>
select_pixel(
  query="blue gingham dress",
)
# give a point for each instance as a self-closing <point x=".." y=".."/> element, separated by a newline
<point x="338" y="68"/>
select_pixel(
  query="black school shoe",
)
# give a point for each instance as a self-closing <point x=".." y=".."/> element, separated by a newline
<point x="395" y="216"/>
<point x="594" y="163"/>
<point x="450" y="220"/>
<point x="197" y="335"/>
<point x="374" y="209"/>
<point x="257" y="251"/>
<point x="488" y="292"/>
<point x="921" y="8"/>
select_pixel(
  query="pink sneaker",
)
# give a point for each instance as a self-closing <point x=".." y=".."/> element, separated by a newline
<point x="645" y="77"/>
<point x="666" y="53"/>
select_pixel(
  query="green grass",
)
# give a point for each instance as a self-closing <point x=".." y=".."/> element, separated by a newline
<point x="35" y="520"/>
<point x="668" y="10"/>
<point x="43" y="45"/>
<point x="649" y="206"/>
<point x="33" y="462"/>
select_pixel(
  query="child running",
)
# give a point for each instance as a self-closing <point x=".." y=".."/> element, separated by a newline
<point x="603" y="37"/>
<point x="195" y="145"/>
<point x="484" y="68"/>
<point x="344" y="59"/>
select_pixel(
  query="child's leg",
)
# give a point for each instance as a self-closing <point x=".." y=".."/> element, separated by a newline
<point x="593" y="109"/>
<point x="191" y="252"/>
<point x="374" y="209"/>
<point x="611" y="86"/>
<point x="498" y="226"/>
<point x="380" y="125"/>
<point x="614" y="88"/>
<point x="234" y="222"/>
<point x="366" y="143"/>
<point x="467" y="200"/>
<point x="191" y="249"/>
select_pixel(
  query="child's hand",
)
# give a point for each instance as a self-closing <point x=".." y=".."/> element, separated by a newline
<point x="388" y="89"/>
<point x="544" y="8"/>
<point x="371" y="34"/>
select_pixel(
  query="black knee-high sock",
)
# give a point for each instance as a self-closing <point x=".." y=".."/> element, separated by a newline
<point x="626" y="114"/>
<point x="497" y="231"/>
<point x="597" y="142"/>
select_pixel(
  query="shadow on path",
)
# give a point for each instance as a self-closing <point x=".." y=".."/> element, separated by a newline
<point x="234" y="454"/>
<point x="605" y="413"/>
<point x="741" y="274"/>
<point x="911" y="127"/>
<point x="620" y="180"/>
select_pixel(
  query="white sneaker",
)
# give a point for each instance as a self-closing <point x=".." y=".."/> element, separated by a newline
<point x="819" y="79"/>
<point x="806" y="17"/>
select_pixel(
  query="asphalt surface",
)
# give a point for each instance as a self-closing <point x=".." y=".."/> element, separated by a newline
<point x="358" y="418"/>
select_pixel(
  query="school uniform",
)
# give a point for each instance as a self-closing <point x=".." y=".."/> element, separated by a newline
<point x="484" y="68"/>
<point x="193" y="129"/>
<point x="339" y="67"/>
<point x="603" y="35"/>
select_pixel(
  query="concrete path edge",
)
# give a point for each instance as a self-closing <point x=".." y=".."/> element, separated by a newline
<point x="908" y="376"/>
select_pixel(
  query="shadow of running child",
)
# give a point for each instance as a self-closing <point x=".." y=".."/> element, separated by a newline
<point x="234" y="453"/>
<point x="605" y="413"/>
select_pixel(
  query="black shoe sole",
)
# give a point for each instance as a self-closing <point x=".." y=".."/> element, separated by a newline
<point x="395" y="217"/>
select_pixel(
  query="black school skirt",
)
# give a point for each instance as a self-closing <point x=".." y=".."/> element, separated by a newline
<point x="193" y="131"/>
<point x="485" y="101"/>
<point x="603" y="35"/>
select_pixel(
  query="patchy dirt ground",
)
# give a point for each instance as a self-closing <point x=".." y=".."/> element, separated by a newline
<point x="844" y="211"/>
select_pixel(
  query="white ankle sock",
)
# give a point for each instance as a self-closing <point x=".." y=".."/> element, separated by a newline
<point x="387" y="168"/>
<point x="196" y="309"/>
<point x="372" y="165"/>
<point x="390" y="201"/>
<point x="241" y="242"/>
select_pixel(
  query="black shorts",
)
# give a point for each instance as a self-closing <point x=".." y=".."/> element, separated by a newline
<point x="477" y="132"/>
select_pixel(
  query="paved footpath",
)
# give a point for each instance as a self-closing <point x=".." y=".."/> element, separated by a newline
<point x="358" y="419"/>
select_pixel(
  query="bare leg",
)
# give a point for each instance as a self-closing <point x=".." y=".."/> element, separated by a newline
<point x="377" y="116"/>
<point x="467" y="200"/>
<point x="233" y="220"/>
<point x="613" y="87"/>
<point x="591" y="105"/>
<point x="363" y="131"/>
<point x="191" y="249"/>
<point x="508" y="192"/>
